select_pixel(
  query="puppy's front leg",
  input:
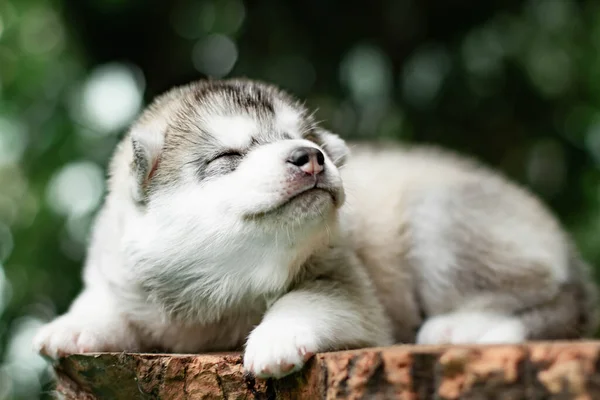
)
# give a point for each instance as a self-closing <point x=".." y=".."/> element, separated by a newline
<point x="92" y="324"/>
<point x="322" y="315"/>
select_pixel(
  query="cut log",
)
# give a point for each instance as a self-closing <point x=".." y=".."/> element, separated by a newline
<point x="541" y="370"/>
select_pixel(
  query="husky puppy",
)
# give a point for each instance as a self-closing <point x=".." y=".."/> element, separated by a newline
<point x="233" y="220"/>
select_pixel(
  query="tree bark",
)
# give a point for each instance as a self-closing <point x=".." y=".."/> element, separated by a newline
<point x="542" y="370"/>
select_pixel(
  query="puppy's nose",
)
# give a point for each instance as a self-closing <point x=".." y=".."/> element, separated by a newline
<point x="308" y="159"/>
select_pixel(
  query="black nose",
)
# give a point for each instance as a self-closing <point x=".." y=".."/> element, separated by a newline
<point x="303" y="155"/>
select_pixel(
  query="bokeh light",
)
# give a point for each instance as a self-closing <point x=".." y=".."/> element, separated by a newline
<point x="13" y="141"/>
<point x="549" y="68"/>
<point x="6" y="242"/>
<point x="424" y="75"/>
<point x="76" y="189"/>
<point x="1" y="26"/>
<point x="215" y="55"/>
<point x="109" y="99"/>
<point x="5" y="290"/>
<point x="21" y="362"/>
<point x="41" y="31"/>
<point x="366" y="72"/>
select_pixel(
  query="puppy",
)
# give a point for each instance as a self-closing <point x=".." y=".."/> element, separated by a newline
<point x="233" y="220"/>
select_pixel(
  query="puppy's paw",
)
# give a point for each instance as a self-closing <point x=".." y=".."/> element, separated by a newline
<point x="278" y="348"/>
<point x="472" y="327"/>
<point x="69" y="335"/>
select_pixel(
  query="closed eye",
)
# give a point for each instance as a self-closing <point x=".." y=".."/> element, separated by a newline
<point x="226" y="154"/>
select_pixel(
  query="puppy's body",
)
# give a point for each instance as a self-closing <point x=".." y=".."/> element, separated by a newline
<point x="461" y="240"/>
<point x="230" y="221"/>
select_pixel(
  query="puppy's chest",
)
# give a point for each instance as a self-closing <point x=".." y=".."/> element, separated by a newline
<point x="192" y="320"/>
<point x="206" y="294"/>
<point x="226" y="334"/>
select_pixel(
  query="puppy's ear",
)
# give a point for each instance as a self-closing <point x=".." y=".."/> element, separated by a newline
<point x="335" y="147"/>
<point x="147" y="142"/>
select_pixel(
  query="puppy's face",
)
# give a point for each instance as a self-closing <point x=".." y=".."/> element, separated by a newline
<point x="231" y="168"/>
<point x="246" y="151"/>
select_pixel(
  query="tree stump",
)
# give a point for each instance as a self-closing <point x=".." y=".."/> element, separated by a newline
<point x="537" y="370"/>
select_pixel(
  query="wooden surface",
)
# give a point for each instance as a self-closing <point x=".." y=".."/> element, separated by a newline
<point x="559" y="370"/>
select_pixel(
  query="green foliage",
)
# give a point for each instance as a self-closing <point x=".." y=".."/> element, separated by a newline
<point x="515" y="83"/>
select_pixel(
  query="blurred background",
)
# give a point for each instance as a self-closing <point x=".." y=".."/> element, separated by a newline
<point x="515" y="83"/>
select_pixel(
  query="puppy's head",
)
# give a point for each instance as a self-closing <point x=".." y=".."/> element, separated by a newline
<point x="233" y="170"/>
<point x="240" y="148"/>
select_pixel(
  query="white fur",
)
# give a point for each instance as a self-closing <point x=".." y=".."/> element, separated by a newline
<point x="287" y="119"/>
<point x="90" y="324"/>
<point x="241" y="128"/>
<point x="472" y="328"/>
